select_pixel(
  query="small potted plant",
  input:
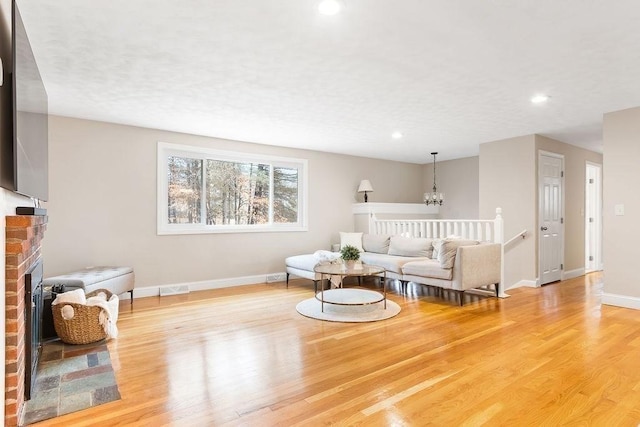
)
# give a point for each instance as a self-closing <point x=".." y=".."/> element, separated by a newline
<point x="350" y="255"/>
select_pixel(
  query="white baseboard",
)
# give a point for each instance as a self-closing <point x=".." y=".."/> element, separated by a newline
<point x="571" y="274"/>
<point x="153" y="291"/>
<point x="524" y="284"/>
<point x="621" y="300"/>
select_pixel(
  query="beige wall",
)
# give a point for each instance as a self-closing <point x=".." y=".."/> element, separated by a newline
<point x="458" y="179"/>
<point x="575" y="160"/>
<point x="507" y="179"/>
<point x="621" y="133"/>
<point x="102" y="207"/>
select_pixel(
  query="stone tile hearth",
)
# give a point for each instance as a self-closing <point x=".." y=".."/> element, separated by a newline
<point x="71" y="378"/>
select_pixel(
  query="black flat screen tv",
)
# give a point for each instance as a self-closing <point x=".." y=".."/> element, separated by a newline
<point x="30" y="117"/>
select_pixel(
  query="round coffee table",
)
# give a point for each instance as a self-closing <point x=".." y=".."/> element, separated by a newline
<point x="365" y="297"/>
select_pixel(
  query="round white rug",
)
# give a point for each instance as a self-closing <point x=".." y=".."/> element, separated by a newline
<point x="348" y="313"/>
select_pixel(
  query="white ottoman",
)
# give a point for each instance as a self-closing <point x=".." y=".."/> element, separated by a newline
<point x="118" y="280"/>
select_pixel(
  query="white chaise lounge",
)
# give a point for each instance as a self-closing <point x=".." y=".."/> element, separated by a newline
<point x="302" y="266"/>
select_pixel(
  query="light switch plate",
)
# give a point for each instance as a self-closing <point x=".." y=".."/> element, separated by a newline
<point x="619" y="210"/>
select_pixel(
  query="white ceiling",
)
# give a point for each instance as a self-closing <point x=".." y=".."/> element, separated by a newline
<point x="448" y="74"/>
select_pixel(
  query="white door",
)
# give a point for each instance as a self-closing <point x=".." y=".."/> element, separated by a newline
<point x="550" y="220"/>
<point x="593" y="218"/>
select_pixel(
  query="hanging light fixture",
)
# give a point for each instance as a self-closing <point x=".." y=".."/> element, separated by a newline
<point x="434" y="198"/>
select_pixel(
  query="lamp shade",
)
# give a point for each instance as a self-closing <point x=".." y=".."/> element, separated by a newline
<point x="365" y="185"/>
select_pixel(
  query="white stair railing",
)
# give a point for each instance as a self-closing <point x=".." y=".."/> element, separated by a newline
<point x="484" y="230"/>
<point x="522" y="234"/>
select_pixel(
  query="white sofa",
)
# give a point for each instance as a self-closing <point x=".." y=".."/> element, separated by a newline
<point x="452" y="263"/>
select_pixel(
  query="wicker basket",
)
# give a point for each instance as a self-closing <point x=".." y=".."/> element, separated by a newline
<point x="84" y="327"/>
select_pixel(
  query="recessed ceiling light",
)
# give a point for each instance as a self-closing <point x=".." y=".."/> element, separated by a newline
<point x="539" y="99"/>
<point x="329" y="7"/>
<point x="396" y="135"/>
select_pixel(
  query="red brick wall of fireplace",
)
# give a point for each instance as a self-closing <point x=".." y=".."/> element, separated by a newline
<point x="23" y="243"/>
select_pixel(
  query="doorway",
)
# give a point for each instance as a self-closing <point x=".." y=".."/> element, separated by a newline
<point x="593" y="218"/>
<point x="550" y="216"/>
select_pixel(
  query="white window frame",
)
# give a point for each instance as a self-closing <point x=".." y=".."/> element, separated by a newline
<point x="166" y="150"/>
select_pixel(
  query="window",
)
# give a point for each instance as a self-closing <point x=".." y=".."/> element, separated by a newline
<point x="203" y="190"/>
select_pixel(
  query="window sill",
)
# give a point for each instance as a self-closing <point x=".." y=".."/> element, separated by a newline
<point x="164" y="231"/>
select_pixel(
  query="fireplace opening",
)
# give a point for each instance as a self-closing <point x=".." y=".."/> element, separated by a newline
<point x="33" y="324"/>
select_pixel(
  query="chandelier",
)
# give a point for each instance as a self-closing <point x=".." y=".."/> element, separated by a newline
<point x="434" y="198"/>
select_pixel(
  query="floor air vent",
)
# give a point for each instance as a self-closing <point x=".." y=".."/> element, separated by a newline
<point x="278" y="277"/>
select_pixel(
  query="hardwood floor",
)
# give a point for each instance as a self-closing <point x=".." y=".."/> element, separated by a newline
<point x="244" y="356"/>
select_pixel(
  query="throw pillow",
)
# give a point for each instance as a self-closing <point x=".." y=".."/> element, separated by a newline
<point x="447" y="253"/>
<point x="437" y="246"/>
<point x="376" y="243"/>
<point x="353" y="239"/>
<point x="410" y="246"/>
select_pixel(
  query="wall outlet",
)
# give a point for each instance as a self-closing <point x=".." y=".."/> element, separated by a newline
<point x="619" y="210"/>
<point x="276" y="277"/>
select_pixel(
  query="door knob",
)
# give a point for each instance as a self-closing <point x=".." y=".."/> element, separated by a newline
<point x="543" y="228"/>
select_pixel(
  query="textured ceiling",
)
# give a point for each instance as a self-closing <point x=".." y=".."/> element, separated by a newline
<point x="448" y="74"/>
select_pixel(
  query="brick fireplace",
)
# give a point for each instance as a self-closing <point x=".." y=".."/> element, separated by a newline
<point x="24" y="235"/>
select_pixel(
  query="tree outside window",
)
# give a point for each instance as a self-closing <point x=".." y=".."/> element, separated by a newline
<point x="185" y="184"/>
<point x="220" y="193"/>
